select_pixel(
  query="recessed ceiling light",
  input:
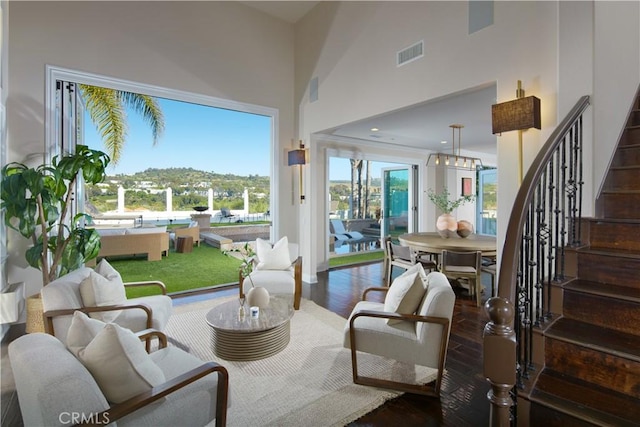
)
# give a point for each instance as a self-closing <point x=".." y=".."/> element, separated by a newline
<point x="374" y="129"/>
<point x="443" y="142"/>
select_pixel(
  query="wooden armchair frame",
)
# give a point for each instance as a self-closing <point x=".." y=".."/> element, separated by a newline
<point x="426" y="389"/>
<point x="131" y="405"/>
<point x="297" y="277"/>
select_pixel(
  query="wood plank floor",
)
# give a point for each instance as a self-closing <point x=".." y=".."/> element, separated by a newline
<point x="463" y="397"/>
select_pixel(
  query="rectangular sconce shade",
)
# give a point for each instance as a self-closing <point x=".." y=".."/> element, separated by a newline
<point x="519" y="114"/>
<point x="297" y="157"/>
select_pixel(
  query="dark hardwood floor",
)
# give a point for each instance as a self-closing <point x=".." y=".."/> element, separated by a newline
<point x="463" y="399"/>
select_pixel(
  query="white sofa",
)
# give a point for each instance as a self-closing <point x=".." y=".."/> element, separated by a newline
<point x="53" y="386"/>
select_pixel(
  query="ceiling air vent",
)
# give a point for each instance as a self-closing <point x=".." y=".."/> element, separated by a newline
<point x="411" y="53"/>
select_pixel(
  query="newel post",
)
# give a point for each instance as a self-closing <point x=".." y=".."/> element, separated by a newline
<point x="499" y="358"/>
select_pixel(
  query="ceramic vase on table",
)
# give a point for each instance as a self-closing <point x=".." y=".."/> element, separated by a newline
<point x="465" y="228"/>
<point x="258" y="297"/>
<point x="447" y="225"/>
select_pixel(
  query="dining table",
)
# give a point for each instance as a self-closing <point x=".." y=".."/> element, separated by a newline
<point x="433" y="243"/>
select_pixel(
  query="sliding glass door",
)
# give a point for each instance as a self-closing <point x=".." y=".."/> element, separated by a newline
<point x="398" y="201"/>
<point x="487" y="202"/>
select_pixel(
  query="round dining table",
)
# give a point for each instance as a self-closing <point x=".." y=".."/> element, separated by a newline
<point x="432" y="242"/>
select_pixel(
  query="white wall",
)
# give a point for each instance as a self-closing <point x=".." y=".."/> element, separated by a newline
<point x="351" y="48"/>
<point x="616" y="76"/>
<point x="220" y="49"/>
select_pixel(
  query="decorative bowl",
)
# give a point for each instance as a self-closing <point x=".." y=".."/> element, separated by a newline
<point x="200" y="208"/>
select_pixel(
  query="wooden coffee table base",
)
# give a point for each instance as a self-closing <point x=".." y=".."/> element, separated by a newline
<point x="233" y="345"/>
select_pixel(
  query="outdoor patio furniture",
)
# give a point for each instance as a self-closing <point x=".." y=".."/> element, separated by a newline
<point x="225" y="213"/>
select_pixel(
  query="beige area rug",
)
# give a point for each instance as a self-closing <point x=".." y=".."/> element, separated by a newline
<point x="309" y="383"/>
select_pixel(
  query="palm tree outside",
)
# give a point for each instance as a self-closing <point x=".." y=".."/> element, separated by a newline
<point x="106" y="107"/>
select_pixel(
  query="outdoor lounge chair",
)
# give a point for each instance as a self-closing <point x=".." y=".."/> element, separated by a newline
<point x="225" y="213"/>
<point x="341" y="234"/>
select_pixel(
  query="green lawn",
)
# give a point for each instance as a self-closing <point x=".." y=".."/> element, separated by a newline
<point x="204" y="267"/>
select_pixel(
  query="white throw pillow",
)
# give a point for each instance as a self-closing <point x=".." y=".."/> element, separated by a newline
<point x="106" y="270"/>
<point x="273" y="258"/>
<point x="99" y="291"/>
<point x="406" y="293"/>
<point x="82" y="331"/>
<point x="118" y="362"/>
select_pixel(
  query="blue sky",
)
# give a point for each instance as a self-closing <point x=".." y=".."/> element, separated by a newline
<point x="195" y="136"/>
<point x="203" y="138"/>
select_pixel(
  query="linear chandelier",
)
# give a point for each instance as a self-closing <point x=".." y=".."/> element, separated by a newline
<point x="454" y="160"/>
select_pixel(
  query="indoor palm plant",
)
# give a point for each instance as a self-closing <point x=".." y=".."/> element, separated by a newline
<point x="37" y="204"/>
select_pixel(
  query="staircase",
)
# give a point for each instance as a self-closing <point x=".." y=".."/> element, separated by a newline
<point x="591" y="373"/>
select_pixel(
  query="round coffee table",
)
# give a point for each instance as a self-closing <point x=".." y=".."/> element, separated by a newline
<point x="238" y="337"/>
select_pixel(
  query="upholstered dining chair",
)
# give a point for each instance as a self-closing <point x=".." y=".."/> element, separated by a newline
<point x="277" y="268"/>
<point x="464" y="265"/>
<point x="412" y="325"/>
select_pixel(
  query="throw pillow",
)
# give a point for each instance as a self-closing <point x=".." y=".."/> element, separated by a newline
<point x="99" y="291"/>
<point x="273" y="258"/>
<point x="82" y="331"/>
<point x="106" y="270"/>
<point x="406" y="293"/>
<point x="118" y="362"/>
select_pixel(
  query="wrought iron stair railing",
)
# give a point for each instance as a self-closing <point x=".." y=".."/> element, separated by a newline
<point x="545" y="220"/>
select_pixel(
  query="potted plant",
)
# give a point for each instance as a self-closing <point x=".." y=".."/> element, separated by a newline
<point x="446" y="223"/>
<point x="37" y="204"/>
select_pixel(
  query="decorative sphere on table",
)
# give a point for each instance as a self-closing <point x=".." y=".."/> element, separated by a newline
<point x="258" y="297"/>
<point x="465" y="228"/>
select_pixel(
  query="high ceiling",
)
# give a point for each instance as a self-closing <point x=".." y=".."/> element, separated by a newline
<point x="424" y="125"/>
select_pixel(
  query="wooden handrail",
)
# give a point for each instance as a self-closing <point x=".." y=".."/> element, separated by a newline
<point x="509" y="261"/>
<point x="528" y="236"/>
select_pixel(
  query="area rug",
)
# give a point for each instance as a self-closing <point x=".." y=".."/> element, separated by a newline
<point x="309" y="383"/>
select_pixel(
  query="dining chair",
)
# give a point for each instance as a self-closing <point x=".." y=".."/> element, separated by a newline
<point x="396" y="256"/>
<point x="464" y="265"/>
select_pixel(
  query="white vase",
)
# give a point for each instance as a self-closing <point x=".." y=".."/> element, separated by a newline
<point x="258" y="297"/>
<point x="447" y="225"/>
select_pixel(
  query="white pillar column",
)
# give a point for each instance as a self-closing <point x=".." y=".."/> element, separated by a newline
<point x="210" y="199"/>
<point x="120" y="199"/>
<point x="169" y="200"/>
<point x="246" y="201"/>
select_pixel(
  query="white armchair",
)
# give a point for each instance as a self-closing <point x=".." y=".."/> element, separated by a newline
<point x="62" y="297"/>
<point x="55" y="389"/>
<point x="411" y="326"/>
<point x="277" y="268"/>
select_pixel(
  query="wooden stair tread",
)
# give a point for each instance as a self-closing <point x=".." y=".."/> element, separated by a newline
<point x="604" y="289"/>
<point x="585" y="401"/>
<point x="628" y="146"/>
<point x="619" y="253"/>
<point x="620" y="191"/>
<point x="615" y="220"/>
<point x="597" y="338"/>
<point x="628" y="167"/>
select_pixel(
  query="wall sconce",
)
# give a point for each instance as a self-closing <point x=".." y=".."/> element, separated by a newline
<point x="520" y="114"/>
<point x="299" y="157"/>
